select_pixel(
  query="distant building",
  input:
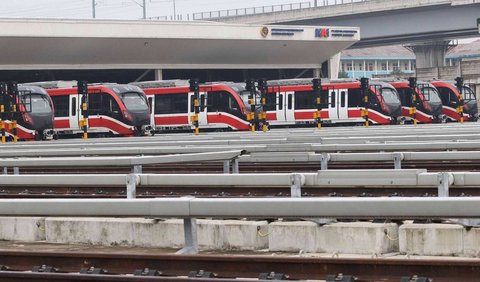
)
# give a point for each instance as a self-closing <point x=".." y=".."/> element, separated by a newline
<point x="366" y="62"/>
<point x="463" y="51"/>
<point x="396" y="59"/>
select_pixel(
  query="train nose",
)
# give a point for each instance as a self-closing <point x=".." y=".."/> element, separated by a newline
<point x="42" y="122"/>
<point x="141" y="118"/>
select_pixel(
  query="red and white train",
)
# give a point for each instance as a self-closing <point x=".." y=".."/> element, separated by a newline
<point x="452" y="99"/>
<point x="33" y="114"/>
<point x="290" y="102"/>
<point x="113" y="109"/>
<point x="428" y="105"/>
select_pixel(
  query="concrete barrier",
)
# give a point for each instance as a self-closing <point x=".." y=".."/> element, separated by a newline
<point x="26" y="229"/>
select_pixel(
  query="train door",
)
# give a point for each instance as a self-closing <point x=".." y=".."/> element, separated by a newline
<point x="202" y="115"/>
<point x="285" y="106"/>
<point x="74" y="116"/>
<point x="151" y="104"/>
<point x="338" y="104"/>
<point x="280" y="107"/>
<point x="289" y="106"/>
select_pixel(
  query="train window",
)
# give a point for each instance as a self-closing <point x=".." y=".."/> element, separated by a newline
<point x="405" y="96"/>
<point x="102" y="104"/>
<point x="192" y="104"/>
<point x="305" y="100"/>
<point x="290" y="97"/>
<point x="222" y="101"/>
<point x="74" y="106"/>
<point x="150" y="102"/>
<point x="342" y="99"/>
<point x="355" y="98"/>
<point x="271" y="102"/>
<point x="280" y="101"/>
<point x="447" y="95"/>
<point x="333" y="99"/>
<point x="173" y="103"/>
<point x="61" y="105"/>
<point x="468" y="94"/>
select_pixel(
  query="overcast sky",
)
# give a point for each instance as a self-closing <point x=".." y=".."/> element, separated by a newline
<point x="124" y="9"/>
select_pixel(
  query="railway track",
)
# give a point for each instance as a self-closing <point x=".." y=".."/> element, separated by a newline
<point x="227" y="192"/>
<point x="431" y="166"/>
<point x="105" y="266"/>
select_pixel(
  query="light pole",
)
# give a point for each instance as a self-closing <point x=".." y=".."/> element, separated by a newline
<point x="174" y="11"/>
<point x="94" y="4"/>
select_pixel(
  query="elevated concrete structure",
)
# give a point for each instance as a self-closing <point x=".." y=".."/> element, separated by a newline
<point x="81" y="44"/>
<point x="401" y="21"/>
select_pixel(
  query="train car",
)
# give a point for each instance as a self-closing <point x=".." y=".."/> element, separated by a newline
<point x="172" y="103"/>
<point x="34" y="114"/>
<point x="113" y="109"/>
<point x="427" y="102"/>
<point x="292" y="102"/>
<point x="451" y="99"/>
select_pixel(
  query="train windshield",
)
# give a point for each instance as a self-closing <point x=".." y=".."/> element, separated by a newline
<point x="134" y="101"/>
<point x="431" y="94"/>
<point x="468" y="94"/>
<point x="390" y="96"/>
<point x="37" y="104"/>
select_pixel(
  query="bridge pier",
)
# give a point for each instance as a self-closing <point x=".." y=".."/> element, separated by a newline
<point x="431" y="54"/>
<point x="334" y="66"/>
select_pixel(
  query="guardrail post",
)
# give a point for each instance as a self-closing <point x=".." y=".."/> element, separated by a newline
<point x="296" y="185"/>
<point x="235" y="168"/>
<point x="16" y="170"/>
<point x="190" y="233"/>
<point x="226" y="167"/>
<point x="137" y="169"/>
<point x="324" y="158"/>
<point x="132" y="181"/>
<point x="443" y="184"/>
<point x="397" y="160"/>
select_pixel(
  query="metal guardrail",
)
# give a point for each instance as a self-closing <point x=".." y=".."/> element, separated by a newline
<point x="396" y="207"/>
<point x="218" y="14"/>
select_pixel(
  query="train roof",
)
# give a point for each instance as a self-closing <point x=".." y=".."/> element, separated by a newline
<point x="31" y="89"/>
<point x="61" y="84"/>
<point x="161" y="83"/>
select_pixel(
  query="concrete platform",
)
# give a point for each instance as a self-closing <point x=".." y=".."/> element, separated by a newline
<point x="26" y="229"/>
<point x="345" y="238"/>
<point x="139" y="232"/>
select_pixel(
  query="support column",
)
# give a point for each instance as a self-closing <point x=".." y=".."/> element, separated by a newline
<point x="317" y="73"/>
<point x="430" y="54"/>
<point x="334" y="66"/>
<point x="158" y="74"/>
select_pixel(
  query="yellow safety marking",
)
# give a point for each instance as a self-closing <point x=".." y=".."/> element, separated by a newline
<point x="415" y="122"/>
<point x="4" y="139"/>
<point x="15" y="139"/>
<point x="14" y="108"/>
<point x="252" y="128"/>
<point x="318" y="100"/>
<point x="264" y="128"/>
<point x="2" y="108"/>
<point x="196" y="104"/>
<point x="319" y="125"/>
<point x="85" y="135"/>
<point x="197" y="131"/>
<point x="366" y="124"/>
<point x="84" y="106"/>
<point x="365" y="99"/>
<point x="264" y="101"/>
<point x="250" y="101"/>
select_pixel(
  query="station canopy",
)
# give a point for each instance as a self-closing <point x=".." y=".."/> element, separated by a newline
<point x="99" y="44"/>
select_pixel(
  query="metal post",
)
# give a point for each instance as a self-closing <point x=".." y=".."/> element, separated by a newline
<point x="174" y="10"/>
<point x="324" y="158"/>
<point x="397" y="160"/>
<point x="226" y="167"/>
<point x="144" y="10"/>
<point x="132" y="181"/>
<point x="296" y="185"/>
<point x="137" y="169"/>
<point x="5" y="170"/>
<point x="93" y="8"/>
<point x="190" y="233"/>
<point x="16" y="170"/>
<point x="443" y="184"/>
<point x="235" y="168"/>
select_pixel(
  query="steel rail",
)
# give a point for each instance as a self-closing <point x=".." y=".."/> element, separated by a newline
<point x="120" y="161"/>
<point x="248" y="266"/>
